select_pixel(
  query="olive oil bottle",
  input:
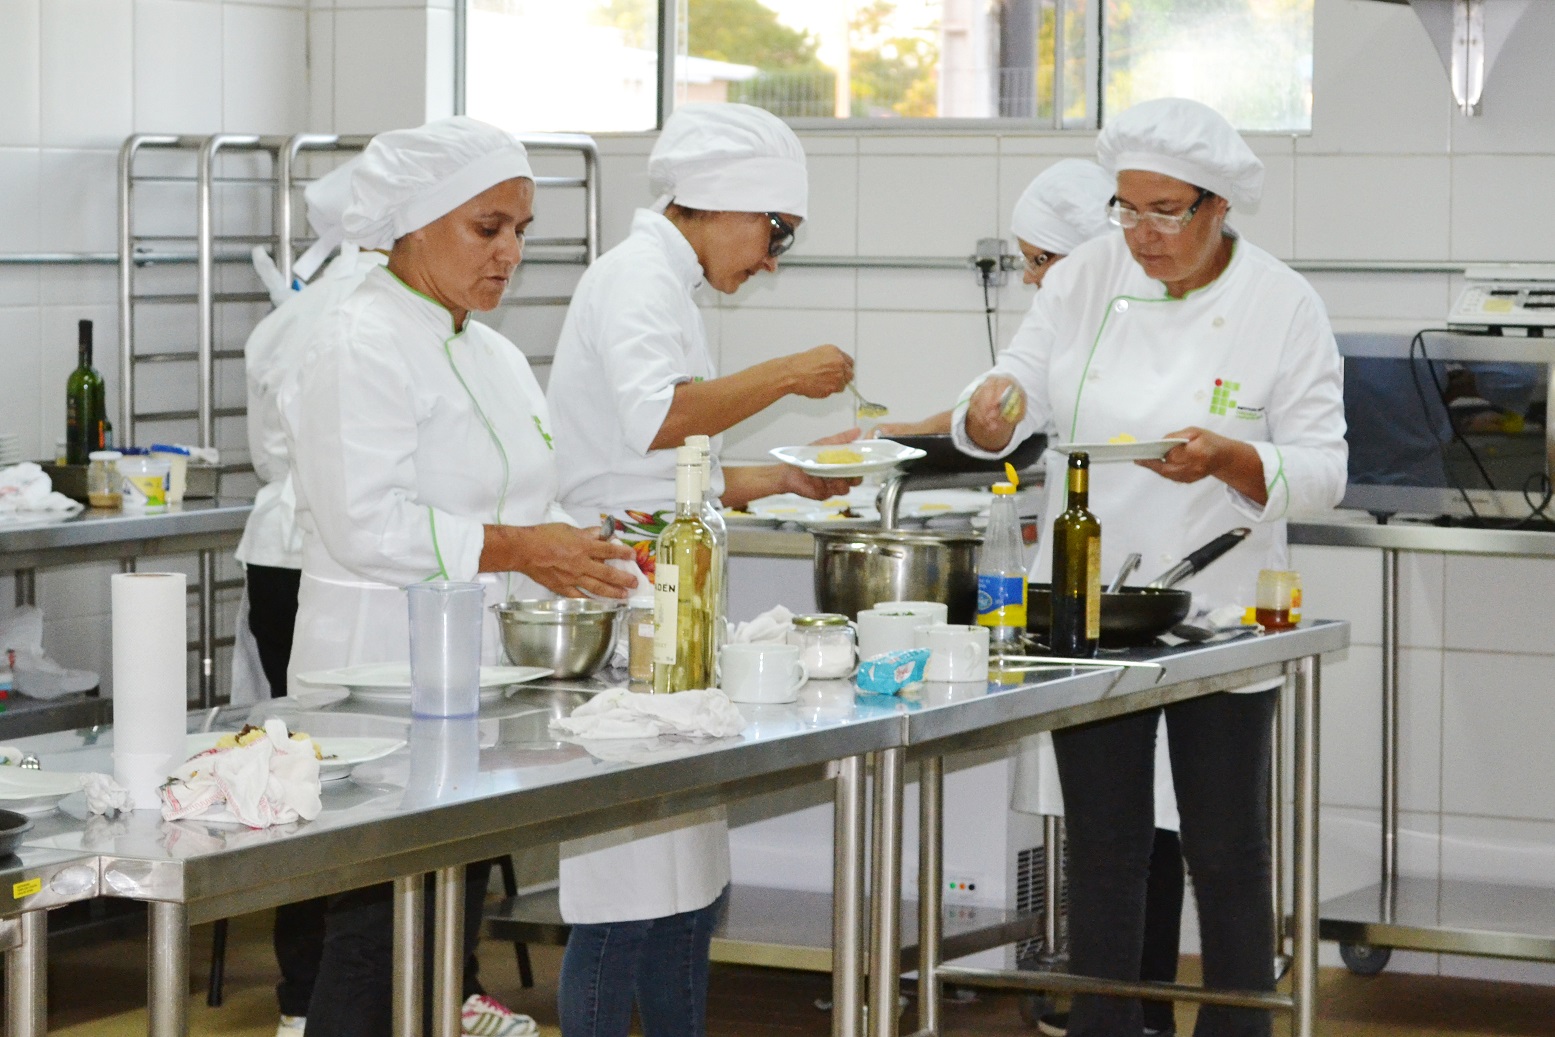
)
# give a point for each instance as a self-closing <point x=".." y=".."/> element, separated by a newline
<point x="85" y="411"/>
<point x="1076" y="620"/>
<point x="685" y="588"/>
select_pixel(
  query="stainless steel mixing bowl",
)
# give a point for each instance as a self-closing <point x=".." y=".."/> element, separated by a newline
<point x="572" y="636"/>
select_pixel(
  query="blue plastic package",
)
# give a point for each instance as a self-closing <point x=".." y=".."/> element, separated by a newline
<point x="889" y="673"/>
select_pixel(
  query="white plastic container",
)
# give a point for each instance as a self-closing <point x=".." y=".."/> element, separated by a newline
<point x="145" y="482"/>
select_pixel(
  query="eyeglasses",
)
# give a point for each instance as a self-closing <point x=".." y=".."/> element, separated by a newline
<point x="782" y="235"/>
<point x="1034" y="264"/>
<point x="1127" y="217"/>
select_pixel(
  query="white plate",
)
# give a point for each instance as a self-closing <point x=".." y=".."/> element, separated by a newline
<point x="747" y="520"/>
<point x="35" y="792"/>
<point x="880" y="455"/>
<point x="340" y="754"/>
<point x="1143" y="450"/>
<point x="390" y="682"/>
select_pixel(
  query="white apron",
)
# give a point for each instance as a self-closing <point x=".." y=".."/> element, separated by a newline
<point x="406" y="440"/>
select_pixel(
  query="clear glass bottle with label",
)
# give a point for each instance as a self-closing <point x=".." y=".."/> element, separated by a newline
<point x="685" y="588"/>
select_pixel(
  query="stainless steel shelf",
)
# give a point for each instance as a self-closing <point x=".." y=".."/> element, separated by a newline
<point x="1452" y="916"/>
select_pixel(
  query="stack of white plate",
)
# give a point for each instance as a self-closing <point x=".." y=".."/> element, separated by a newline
<point x="10" y="448"/>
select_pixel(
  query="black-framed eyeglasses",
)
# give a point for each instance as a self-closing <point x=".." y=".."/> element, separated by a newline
<point x="782" y="235"/>
<point x="1127" y="217"/>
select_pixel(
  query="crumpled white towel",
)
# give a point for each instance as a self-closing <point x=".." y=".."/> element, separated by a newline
<point x="271" y="781"/>
<point x="771" y="627"/>
<point x="25" y="489"/>
<point x="619" y="713"/>
<point x="104" y="795"/>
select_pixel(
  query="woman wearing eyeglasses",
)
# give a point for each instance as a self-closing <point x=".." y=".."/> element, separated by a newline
<point x="1177" y="328"/>
<point x="633" y="378"/>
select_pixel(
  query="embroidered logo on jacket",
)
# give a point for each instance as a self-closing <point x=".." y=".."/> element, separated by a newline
<point x="1223" y="403"/>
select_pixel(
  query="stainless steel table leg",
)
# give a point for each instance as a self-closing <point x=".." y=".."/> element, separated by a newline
<point x="1304" y="870"/>
<point x="931" y="887"/>
<point x="1390" y="721"/>
<point x="847" y="958"/>
<point x="448" y="952"/>
<point x="26" y="978"/>
<point x="886" y="890"/>
<point x="409" y="903"/>
<point x="26" y="581"/>
<point x="207" y="629"/>
<point x="1052" y="876"/>
<point x="167" y="995"/>
<point x="1277" y="817"/>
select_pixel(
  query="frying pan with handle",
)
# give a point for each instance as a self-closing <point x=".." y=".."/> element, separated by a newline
<point x="1135" y="616"/>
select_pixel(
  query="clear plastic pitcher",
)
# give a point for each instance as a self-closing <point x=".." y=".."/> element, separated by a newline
<point x="445" y="648"/>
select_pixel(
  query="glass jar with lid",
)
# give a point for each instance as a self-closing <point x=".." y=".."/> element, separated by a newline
<point x="827" y="645"/>
<point x="102" y="479"/>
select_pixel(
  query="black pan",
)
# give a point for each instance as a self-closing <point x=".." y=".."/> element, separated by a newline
<point x="13" y="827"/>
<point x="942" y="458"/>
<point x="1135" y="616"/>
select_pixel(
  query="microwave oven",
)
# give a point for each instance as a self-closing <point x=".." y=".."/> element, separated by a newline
<point x="1452" y="424"/>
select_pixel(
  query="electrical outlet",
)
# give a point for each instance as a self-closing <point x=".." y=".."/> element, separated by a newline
<point x="989" y="260"/>
<point x="961" y="887"/>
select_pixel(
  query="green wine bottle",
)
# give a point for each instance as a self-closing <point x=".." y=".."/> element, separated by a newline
<point x="1076" y="597"/>
<point x="86" y="413"/>
<point x="685" y="588"/>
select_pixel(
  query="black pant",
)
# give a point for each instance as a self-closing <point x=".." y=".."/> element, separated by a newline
<point x="1163" y="924"/>
<point x="354" y="992"/>
<point x="298" y="936"/>
<point x="1220" y="749"/>
<point x="272" y="614"/>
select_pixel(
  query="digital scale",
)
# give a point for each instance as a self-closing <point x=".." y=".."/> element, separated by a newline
<point x="1518" y="295"/>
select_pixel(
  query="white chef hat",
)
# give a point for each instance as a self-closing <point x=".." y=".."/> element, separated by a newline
<point x="408" y="178"/>
<point x="1187" y="140"/>
<point x="729" y="158"/>
<point x="1064" y="207"/>
<point x="327" y="199"/>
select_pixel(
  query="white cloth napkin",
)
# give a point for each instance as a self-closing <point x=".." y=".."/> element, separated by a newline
<point x="618" y="713"/>
<point x="25" y="491"/>
<point x="271" y="781"/>
<point x="104" y="795"/>
<point x="771" y="627"/>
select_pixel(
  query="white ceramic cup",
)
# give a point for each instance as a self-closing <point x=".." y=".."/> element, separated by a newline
<point x="761" y="673"/>
<point x="885" y="628"/>
<point x="931" y="611"/>
<point x="956" y="653"/>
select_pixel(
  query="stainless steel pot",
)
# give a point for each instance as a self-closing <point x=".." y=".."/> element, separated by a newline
<point x="857" y="568"/>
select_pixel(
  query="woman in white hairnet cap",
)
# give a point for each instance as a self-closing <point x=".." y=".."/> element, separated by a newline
<point x="421" y="450"/>
<point x="1064" y="206"/>
<point x="1177" y="328"/>
<point x="633" y="378"/>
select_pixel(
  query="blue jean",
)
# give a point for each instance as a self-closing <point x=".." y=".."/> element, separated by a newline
<point x="661" y="963"/>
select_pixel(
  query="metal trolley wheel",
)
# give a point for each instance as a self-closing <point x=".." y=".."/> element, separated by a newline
<point x="1363" y="959"/>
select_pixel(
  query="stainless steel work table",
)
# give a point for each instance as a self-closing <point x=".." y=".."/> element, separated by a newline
<point x="422" y="811"/>
<point x="200" y="527"/>
<point x="950" y="720"/>
<point x="32" y="880"/>
<point x="1453" y="916"/>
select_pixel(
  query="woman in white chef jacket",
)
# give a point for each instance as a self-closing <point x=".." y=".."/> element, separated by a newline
<point x="421" y="450"/>
<point x="1177" y="328"/>
<point x="633" y="378"/>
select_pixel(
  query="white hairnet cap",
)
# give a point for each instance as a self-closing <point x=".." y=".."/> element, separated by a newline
<point x="1187" y="140"/>
<point x="729" y="158"/>
<point x="1064" y="207"/>
<point x="327" y="199"/>
<point x="408" y="178"/>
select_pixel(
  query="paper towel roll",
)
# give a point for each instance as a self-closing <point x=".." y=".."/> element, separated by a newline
<point x="150" y="683"/>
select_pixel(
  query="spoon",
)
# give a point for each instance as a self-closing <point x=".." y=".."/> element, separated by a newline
<point x="1129" y="565"/>
<point x="865" y="408"/>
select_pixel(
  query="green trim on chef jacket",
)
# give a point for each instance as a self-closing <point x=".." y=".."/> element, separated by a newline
<point x="442" y="570"/>
<point x="502" y="494"/>
<point x="1279" y="477"/>
<point x="423" y="295"/>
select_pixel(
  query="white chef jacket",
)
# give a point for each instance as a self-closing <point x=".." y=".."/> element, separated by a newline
<point x="274" y="350"/>
<point x="1105" y="352"/>
<point x="632" y="333"/>
<point x="406" y="440"/>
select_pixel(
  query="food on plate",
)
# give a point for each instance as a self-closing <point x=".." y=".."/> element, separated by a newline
<point x="838" y="455"/>
<point x="251" y="734"/>
<point x="934" y="506"/>
<point x="1123" y="437"/>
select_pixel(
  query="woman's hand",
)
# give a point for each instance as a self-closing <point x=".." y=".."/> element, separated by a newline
<point x="559" y="557"/>
<point x="819" y="372"/>
<point x="1209" y="454"/>
<point x="988" y="424"/>
<point x="797" y="480"/>
<point x="935" y="425"/>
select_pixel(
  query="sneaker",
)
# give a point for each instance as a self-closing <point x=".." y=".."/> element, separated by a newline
<point x="1054" y="1024"/>
<point x="485" y="1017"/>
<point x="291" y="1026"/>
